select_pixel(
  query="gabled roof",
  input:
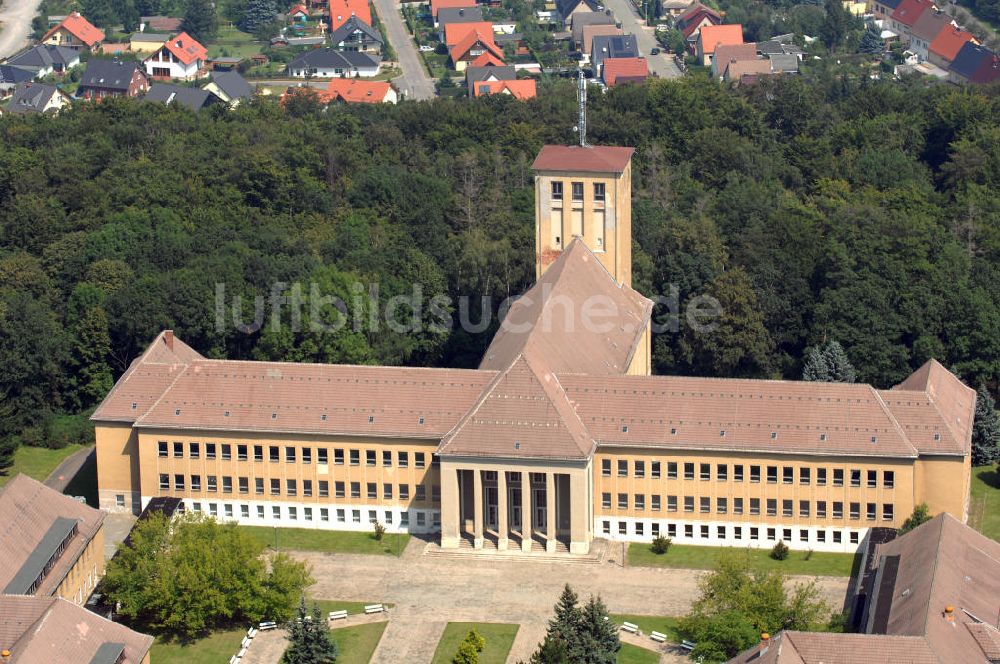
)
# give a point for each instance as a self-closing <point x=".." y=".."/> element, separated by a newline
<point x="79" y="27"/>
<point x="356" y="91"/>
<point x="613" y="46"/>
<point x="989" y="69"/>
<point x="696" y="11"/>
<point x="949" y="408"/>
<point x="32" y="97"/>
<point x="567" y="7"/>
<point x="930" y="24"/>
<point x="592" y="159"/>
<point x="593" y="18"/>
<point x="185" y="48"/>
<point x="54" y="631"/>
<point x="460" y="15"/>
<point x="461" y="50"/>
<point x="548" y="323"/>
<point x="783" y="63"/>
<point x="28" y="511"/>
<point x="13" y="75"/>
<point x="968" y="59"/>
<point x="474" y="74"/>
<point x="329" y="58"/>
<point x="454" y="33"/>
<point x="711" y="36"/>
<point x="728" y="53"/>
<point x="891" y="4"/>
<point x="909" y="11"/>
<point x="735" y="71"/>
<point x="623" y="70"/>
<point x="352" y="25"/>
<point x="192" y="98"/>
<point x="232" y="84"/>
<point x="43" y="56"/>
<point x="949" y="41"/>
<point x="342" y="10"/>
<point x="164" y="24"/>
<point x="109" y="74"/>
<point x="523" y="89"/>
<point x="150" y="37"/>
<point x="487" y="59"/>
<point x="589" y="32"/>
<point x="792" y="647"/>
<point x="438" y="5"/>
<point x="524" y="412"/>
<point x="298" y="9"/>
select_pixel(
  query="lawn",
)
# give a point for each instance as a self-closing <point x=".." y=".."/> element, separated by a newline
<point x="499" y="638"/>
<point x="984" y="507"/>
<point x="217" y="647"/>
<point x="37" y="462"/>
<point x="233" y="43"/>
<point x="332" y="541"/>
<point x="704" y="557"/>
<point x="630" y="654"/>
<point x="356" y="644"/>
<point x="663" y="624"/>
<point x="352" y="608"/>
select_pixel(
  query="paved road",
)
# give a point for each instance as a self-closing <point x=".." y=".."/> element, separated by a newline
<point x="662" y="65"/>
<point x="414" y="82"/>
<point x="15" y="25"/>
<point x="64" y="473"/>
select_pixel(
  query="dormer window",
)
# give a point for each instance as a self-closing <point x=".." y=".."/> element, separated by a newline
<point x="624" y="428"/>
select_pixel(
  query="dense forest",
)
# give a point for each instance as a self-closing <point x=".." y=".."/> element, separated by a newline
<point x="862" y="211"/>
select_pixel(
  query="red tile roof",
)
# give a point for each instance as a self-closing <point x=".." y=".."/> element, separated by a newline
<point x="523" y="89"/>
<point x="711" y="36"/>
<point x="353" y="90"/>
<point x="593" y="159"/>
<point x="624" y="70"/>
<point x="487" y="59"/>
<point x="455" y="33"/>
<point x="342" y="10"/>
<point x="697" y="11"/>
<point x="437" y="5"/>
<point x="298" y="9"/>
<point x="461" y="50"/>
<point x="80" y="28"/>
<point x="185" y="48"/>
<point x="949" y="42"/>
<point x="909" y="11"/>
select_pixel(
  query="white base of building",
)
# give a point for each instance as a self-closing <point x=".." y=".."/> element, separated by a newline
<point x="740" y="534"/>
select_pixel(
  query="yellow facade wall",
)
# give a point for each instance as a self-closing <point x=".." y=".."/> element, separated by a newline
<point x="83" y="576"/>
<point x="117" y="467"/>
<point x="943" y="483"/>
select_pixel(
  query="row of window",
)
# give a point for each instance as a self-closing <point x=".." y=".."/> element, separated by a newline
<point x="722" y="473"/>
<point x="806" y="509"/>
<point x="576" y="189"/>
<point x="291" y="513"/>
<point x="291" y="487"/>
<point x="722" y="532"/>
<point x="293" y="454"/>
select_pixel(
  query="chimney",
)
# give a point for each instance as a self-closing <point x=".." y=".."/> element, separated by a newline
<point x="949" y="613"/>
<point x="765" y="641"/>
<point x="5" y="655"/>
<point x="168" y="338"/>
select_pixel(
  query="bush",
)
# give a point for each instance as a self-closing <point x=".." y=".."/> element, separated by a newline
<point x="379" y="531"/>
<point x="780" y="551"/>
<point x="469" y="649"/>
<point x="660" y="545"/>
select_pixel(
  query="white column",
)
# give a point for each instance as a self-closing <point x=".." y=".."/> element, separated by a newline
<point x="502" y="509"/>
<point x="477" y="508"/>
<point x="450" y="501"/>
<point x="550" y="512"/>
<point x="525" y="511"/>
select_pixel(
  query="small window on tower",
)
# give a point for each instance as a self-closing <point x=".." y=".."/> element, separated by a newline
<point x="557" y="191"/>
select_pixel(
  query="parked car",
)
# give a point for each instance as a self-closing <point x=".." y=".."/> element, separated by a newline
<point x="654" y="51"/>
<point x="425" y="48"/>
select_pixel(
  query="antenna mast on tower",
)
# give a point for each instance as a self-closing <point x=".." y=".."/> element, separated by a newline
<point x="581" y="123"/>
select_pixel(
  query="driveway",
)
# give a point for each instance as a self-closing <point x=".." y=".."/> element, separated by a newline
<point x="414" y="82"/>
<point x="663" y="64"/>
<point x="429" y="591"/>
<point x="15" y="25"/>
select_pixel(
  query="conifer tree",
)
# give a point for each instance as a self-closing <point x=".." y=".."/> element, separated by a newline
<point x="309" y="639"/>
<point x="599" y="643"/>
<point x="200" y="20"/>
<point x="568" y="617"/>
<point x="871" y="41"/>
<point x="985" y="429"/>
<point x="828" y="364"/>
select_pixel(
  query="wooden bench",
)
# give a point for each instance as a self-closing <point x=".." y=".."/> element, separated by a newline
<point x="338" y="615"/>
<point x="374" y="608"/>
<point x="246" y="642"/>
<point x="688" y="645"/>
<point x="659" y="637"/>
<point x="630" y="627"/>
<point x="264" y="626"/>
<point x="252" y="632"/>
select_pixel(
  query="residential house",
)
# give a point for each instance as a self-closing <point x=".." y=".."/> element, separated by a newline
<point x="693" y="20"/>
<point x="488" y="74"/>
<point x="457" y="32"/>
<point x="906" y="16"/>
<point x="342" y="10"/>
<point x="11" y="77"/>
<point x="54" y="631"/>
<point x="926" y="29"/>
<point x="230" y="87"/>
<point x="929" y="595"/>
<point x="147" y="42"/>
<point x="742" y="72"/>
<point x="946" y="46"/>
<point x="518" y="89"/>
<point x="784" y="63"/>
<point x="454" y="15"/>
<point x="192" y="98"/>
<point x="112" y="49"/>
<point x="591" y="31"/>
<point x="180" y="58"/>
<point x="112" y="78"/>
<point x="355" y="91"/>
<point x="475" y="48"/>
<point x="726" y="54"/>
<point x="569" y="9"/>
<point x="356" y="35"/>
<point x="34" y="98"/>
<point x="883" y="9"/>
<point x="74" y="32"/>
<point x="328" y="63"/>
<point x="612" y="46"/>
<point x="298" y="13"/>
<point x="44" y="60"/>
<point x="674" y="8"/>
<point x="438" y="5"/>
<point x="624" y="70"/>
<point x="974" y="64"/>
<point x="711" y="37"/>
<point x="583" y="20"/>
<point x="167" y="25"/>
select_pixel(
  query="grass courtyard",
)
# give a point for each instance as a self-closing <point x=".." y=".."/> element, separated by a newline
<point x="37" y="462"/>
<point x="630" y="654"/>
<point x="357" y="644"/>
<point x="663" y="624"/>
<point x="819" y="563"/>
<point x="499" y="639"/>
<point x="984" y="506"/>
<point x="330" y="541"/>
<point x="214" y="648"/>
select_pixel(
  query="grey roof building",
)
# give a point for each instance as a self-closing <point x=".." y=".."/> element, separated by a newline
<point x="459" y="15"/>
<point x="10" y="76"/>
<point x="356" y="35"/>
<point x="34" y="98"/>
<point x="45" y="58"/>
<point x="475" y="75"/>
<point x="327" y="60"/>
<point x="229" y="86"/>
<point x="613" y="46"/>
<point x="782" y="63"/>
<point x="193" y="98"/>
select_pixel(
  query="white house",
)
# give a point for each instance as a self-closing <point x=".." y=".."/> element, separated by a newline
<point x="328" y="63"/>
<point x="180" y="57"/>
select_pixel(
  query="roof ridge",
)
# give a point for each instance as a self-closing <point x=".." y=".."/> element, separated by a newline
<point x="888" y="413"/>
<point x="448" y="437"/>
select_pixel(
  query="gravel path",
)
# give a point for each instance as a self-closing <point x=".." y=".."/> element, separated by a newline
<point x="15" y="25"/>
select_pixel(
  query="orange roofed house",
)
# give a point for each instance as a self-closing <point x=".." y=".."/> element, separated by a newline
<point x="947" y="44"/>
<point x="711" y="36"/>
<point x="180" y="57"/>
<point x="342" y="10"/>
<point x="519" y="89"/>
<point x="356" y="91"/>
<point x="560" y="436"/>
<point x="624" y="70"/>
<point x="74" y="32"/>
<point x="438" y="5"/>
<point x="472" y="44"/>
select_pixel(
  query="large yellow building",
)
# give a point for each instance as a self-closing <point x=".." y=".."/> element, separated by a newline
<point x="561" y="435"/>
